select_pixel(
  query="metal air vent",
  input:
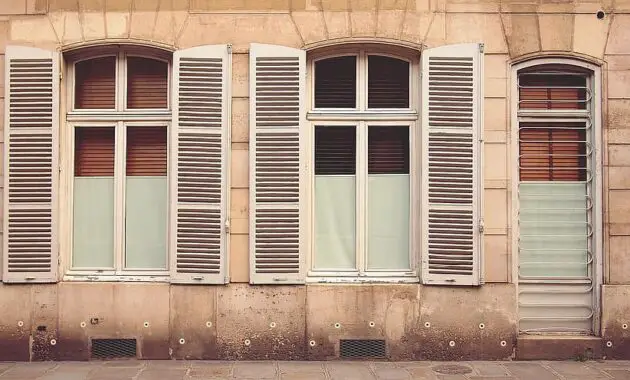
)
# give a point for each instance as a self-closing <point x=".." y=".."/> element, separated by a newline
<point x="113" y="348"/>
<point x="362" y="348"/>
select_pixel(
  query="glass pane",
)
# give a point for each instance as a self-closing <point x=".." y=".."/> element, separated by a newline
<point x="146" y="198"/>
<point x="93" y="219"/>
<point x="335" y="198"/>
<point x="553" y="222"/>
<point x="388" y="82"/>
<point x="93" y="203"/>
<point x="95" y="83"/>
<point x="388" y="198"/>
<point x="147" y="83"/>
<point x="336" y="82"/>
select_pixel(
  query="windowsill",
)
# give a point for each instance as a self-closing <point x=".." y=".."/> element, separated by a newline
<point x="375" y="115"/>
<point x="116" y="278"/>
<point x="113" y="115"/>
<point x="354" y="278"/>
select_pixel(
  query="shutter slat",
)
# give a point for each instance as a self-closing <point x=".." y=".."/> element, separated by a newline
<point x="452" y="97"/>
<point x="276" y="151"/>
<point x="199" y="138"/>
<point x="31" y="105"/>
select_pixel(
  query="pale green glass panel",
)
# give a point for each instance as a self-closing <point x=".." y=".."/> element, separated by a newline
<point x="335" y="225"/>
<point x="553" y="222"/>
<point x="388" y="221"/>
<point x="93" y="219"/>
<point x="145" y="227"/>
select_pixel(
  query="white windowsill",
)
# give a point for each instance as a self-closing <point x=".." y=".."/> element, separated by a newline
<point x="116" y="278"/>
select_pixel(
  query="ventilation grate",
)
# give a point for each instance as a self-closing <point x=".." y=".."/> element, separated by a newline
<point x="113" y="348"/>
<point x="362" y="348"/>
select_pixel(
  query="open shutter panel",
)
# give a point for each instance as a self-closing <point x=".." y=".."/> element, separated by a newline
<point x="31" y="165"/>
<point x="199" y="164"/>
<point x="277" y="173"/>
<point x="451" y="124"/>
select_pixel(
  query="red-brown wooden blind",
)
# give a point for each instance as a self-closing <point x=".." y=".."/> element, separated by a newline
<point x="335" y="150"/>
<point x="388" y="150"/>
<point x="95" y="83"/>
<point x="146" y="151"/>
<point x="336" y="82"/>
<point x="94" y="152"/>
<point x="552" y="154"/>
<point x="388" y="82"/>
<point x="147" y="83"/>
<point x="552" y="92"/>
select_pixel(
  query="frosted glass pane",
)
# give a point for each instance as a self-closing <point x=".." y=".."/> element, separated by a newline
<point x="93" y="219"/>
<point x="145" y="228"/>
<point x="553" y="223"/>
<point x="388" y="221"/>
<point x="335" y="222"/>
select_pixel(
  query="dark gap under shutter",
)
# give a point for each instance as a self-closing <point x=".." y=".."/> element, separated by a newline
<point x="147" y="83"/>
<point x="388" y="82"/>
<point x="146" y="151"/>
<point x="336" y="82"/>
<point x="552" y="92"/>
<point x="335" y="150"/>
<point x="94" y="152"/>
<point x="552" y="154"/>
<point x="388" y="150"/>
<point x="95" y="83"/>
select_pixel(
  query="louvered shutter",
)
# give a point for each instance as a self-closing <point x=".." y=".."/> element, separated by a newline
<point x="277" y="170"/>
<point x="30" y="251"/>
<point x="199" y="158"/>
<point x="451" y="179"/>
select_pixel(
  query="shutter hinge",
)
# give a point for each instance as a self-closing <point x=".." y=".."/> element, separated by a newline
<point x="229" y="48"/>
<point x="61" y="75"/>
<point x="481" y="226"/>
<point x="227" y="226"/>
<point x="481" y="47"/>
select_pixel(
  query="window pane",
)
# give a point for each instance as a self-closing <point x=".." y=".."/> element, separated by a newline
<point x="336" y="82"/>
<point x="335" y="198"/>
<point x="388" y="82"/>
<point x="147" y="83"/>
<point x="388" y="198"/>
<point x="554" y="152"/>
<point x="95" y="83"/>
<point x="146" y="198"/>
<point x="93" y="202"/>
<point x="552" y="91"/>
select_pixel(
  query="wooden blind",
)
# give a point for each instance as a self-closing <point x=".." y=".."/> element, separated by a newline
<point x="336" y="82"/>
<point x="552" y="91"/>
<point x="147" y="83"/>
<point x="94" y="152"/>
<point x="95" y="83"/>
<point x="552" y="154"/>
<point x="335" y="150"/>
<point x="388" y="150"/>
<point x="388" y="82"/>
<point x="146" y="151"/>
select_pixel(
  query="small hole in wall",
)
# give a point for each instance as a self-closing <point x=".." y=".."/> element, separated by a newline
<point x="600" y="15"/>
<point x="41" y="328"/>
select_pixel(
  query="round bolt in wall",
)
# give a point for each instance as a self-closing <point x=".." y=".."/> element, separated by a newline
<point x="208" y="324"/>
<point x="247" y="342"/>
<point x="427" y="324"/>
<point x="272" y="324"/>
<point x="609" y="344"/>
<point x="20" y="324"/>
<point x="451" y="343"/>
<point x="624" y="326"/>
<point x="182" y="341"/>
<point x="53" y="342"/>
<point x="503" y="343"/>
<point x="83" y="324"/>
<point x="312" y="343"/>
<point x="337" y="325"/>
<point x="372" y="324"/>
<point x="146" y="324"/>
<point x="482" y="326"/>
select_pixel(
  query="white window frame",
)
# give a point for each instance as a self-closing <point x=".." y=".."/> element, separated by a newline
<point x="119" y="118"/>
<point x="361" y="117"/>
<point x="593" y="81"/>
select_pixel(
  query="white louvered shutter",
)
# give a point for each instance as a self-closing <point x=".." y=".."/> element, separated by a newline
<point x="31" y="169"/>
<point x="452" y="101"/>
<point x="277" y="173"/>
<point x="200" y="132"/>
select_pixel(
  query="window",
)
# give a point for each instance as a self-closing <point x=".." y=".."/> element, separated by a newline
<point x="556" y="118"/>
<point x="363" y="196"/>
<point x="120" y="119"/>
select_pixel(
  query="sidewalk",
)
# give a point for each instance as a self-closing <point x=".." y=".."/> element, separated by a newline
<point x="202" y="370"/>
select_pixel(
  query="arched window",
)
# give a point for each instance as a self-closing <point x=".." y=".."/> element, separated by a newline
<point x="119" y="114"/>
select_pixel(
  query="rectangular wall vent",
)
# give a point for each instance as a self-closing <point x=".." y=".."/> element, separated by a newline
<point x="113" y="348"/>
<point x="362" y="348"/>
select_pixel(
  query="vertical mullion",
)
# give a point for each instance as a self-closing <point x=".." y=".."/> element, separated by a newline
<point x="119" y="197"/>
<point x="361" y="195"/>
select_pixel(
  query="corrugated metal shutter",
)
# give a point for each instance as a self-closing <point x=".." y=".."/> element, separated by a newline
<point x="199" y="140"/>
<point x="31" y="165"/>
<point x="95" y="83"/>
<point x="277" y="85"/>
<point x="147" y="83"/>
<point x="451" y="179"/>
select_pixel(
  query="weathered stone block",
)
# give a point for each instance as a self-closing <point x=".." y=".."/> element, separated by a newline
<point x="484" y="28"/>
<point x="496" y="258"/>
<point x="556" y="32"/>
<point x="590" y="34"/>
<point x="67" y="25"/>
<point x="615" y="312"/>
<point x="310" y="25"/>
<point x="522" y="33"/>
<point x="619" y="38"/>
<point x="193" y="322"/>
<point x="239" y="251"/>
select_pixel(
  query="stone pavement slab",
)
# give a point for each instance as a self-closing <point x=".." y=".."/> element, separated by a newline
<point x="331" y="370"/>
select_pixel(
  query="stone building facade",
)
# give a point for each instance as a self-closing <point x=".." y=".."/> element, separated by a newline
<point x="211" y="179"/>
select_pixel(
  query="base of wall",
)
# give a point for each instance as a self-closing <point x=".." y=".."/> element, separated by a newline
<point x="558" y="347"/>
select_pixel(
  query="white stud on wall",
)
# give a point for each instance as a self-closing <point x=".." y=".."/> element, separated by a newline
<point x="451" y="343"/>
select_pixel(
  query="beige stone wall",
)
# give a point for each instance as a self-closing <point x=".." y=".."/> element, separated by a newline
<point x="511" y="29"/>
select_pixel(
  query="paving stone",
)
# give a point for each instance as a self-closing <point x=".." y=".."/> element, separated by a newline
<point x="209" y="370"/>
<point x="533" y="370"/>
<point x="619" y="374"/>
<point x="162" y="374"/>
<point x="392" y="374"/>
<point x="492" y="378"/>
<point x="105" y="373"/>
<point x="23" y="371"/>
<point x="490" y="369"/>
<point x="4" y="367"/>
<point x="422" y="373"/>
<point x="301" y="367"/>
<point x="571" y="370"/>
<point x="68" y="372"/>
<point x="349" y="371"/>
<point x="254" y="370"/>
